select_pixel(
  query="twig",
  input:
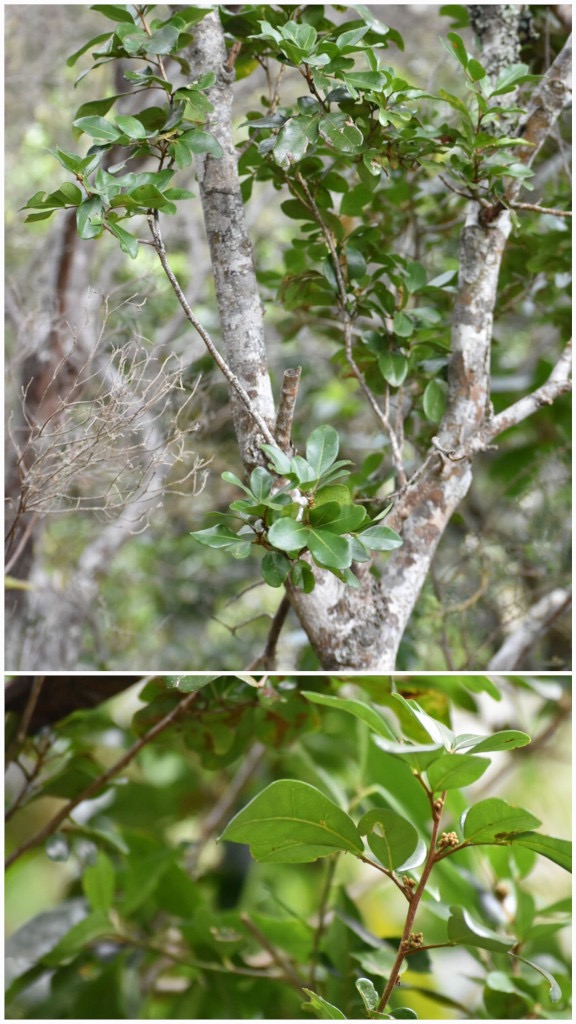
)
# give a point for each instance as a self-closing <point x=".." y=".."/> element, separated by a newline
<point x="221" y="809"/>
<point x="431" y="858"/>
<point x="47" y="830"/>
<point x="192" y="319"/>
<point x="267" y="659"/>
<point x="557" y="383"/>
<point x="541" y="209"/>
<point x="283" y="428"/>
<point x="22" y="731"/>
<point x="278" y="958"/>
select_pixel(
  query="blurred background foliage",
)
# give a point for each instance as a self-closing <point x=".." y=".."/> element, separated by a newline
<point x="133" y="910"/>
<point x="164" y="601"/>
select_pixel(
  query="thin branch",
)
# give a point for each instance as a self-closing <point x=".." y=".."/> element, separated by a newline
<point x="551" y="210"/>
<point x="22" y="732"/>
<point x="277" y="957"/>
<point x="51" y="826"/>
<point x="192" y="319"/>
<point x="414" y="903"/>
<point x="267" y="660"/>
<point x="516" y="646"/>
<point x="558" y="382"/>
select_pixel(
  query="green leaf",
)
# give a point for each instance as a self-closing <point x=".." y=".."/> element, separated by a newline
<point x="95" y="41"/>
<point x="365" y="712"/>
<point x="333" y="492"/>
<point x="390" y="836"/>
<point x="275" y="568"/>
<point x="555" y="990"/>
<point x="128" y="242"/>
<point x="336" y="518"/>
<point x="216" y="537"/>
<point x="495" y="820"/>
<point x="302" y="577"/>
<point x="434" y="400"/>
<point x="98" y="882"/>
<point x="557" y="850"/>
<point x="465" y="930"/>
<point x="393" y="367"/>
<point x="199" y="141"/>
<point x="368" y="992"/>
<point x="163" y="40"/>
<point x="98" y="128"/>
<point x="417" y="755"/>
<point x="436" y="730"/>
<point x="189" y="684"/>
<point x="322" y="1008"/>
<point x="94" y="926"/>
<point x="292" y="822"/>
<point x="381" y="538"/>
<point x="475" y="70"/>
<point x="506" y="739"/>
<point x="322" y="448"/>
<point x="455" y="770"/>
<point x="354" y="201"/>
<point x="131" y="126"/>
<point x="261" y="483"/>
<point x="303" y="472"/>
<point x="457" y="48"/>
<point x="89" y="218"/>
<point x="328" y="549"/>
<point x="403" y="325"/>
<point x="114" y="12"/>
<point x="345" y="137"/>
<point x="278" y="459"/>
<point x="288" y="535"/>
<point x="292" y="142"/>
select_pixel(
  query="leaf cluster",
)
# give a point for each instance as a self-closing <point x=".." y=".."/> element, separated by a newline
<point x="307" y="514"/>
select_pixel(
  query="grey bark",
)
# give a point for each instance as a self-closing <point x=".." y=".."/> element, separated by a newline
<point x="239" y="303"/>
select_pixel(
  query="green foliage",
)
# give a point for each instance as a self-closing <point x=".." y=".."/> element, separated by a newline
<point x="149" y="876"/>
<point x="306" y="514"/>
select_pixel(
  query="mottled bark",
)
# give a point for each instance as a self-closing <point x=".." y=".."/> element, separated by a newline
<point x="239" y="304"/>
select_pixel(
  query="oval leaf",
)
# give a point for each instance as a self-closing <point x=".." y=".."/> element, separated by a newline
<point x="288" y="535"/>
<point x="293" y="822"/>
<point x="322" y="448"/>
<point x="455" y="770"/>
<point x="390" y="836"/>
<point x="495" y="820"/>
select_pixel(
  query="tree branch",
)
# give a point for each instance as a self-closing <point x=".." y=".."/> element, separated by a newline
<point x="237" y="294"/>
<point x="92" y="788"/>
<point x="513" y="651"/>
<point x="557" y="384"/>
<point x="235" y="384"/>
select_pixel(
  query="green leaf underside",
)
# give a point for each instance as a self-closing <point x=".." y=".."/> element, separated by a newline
<point x="293" y="822"/>
<point x="323" y="1009"/>
<point x="557" y="850"/>
<point x="465" y="930"/>
<point x="358" y="708"/>
<point x="390" y="836"/>
<point x="555" y="990"/>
